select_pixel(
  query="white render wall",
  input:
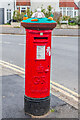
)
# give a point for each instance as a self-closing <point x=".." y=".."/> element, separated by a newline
<point x="45" y="3"/>
<point x="54" y="3"/>
<point x="4" y="4"/>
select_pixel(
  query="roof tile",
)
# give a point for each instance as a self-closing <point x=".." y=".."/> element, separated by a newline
<point x="68" y="4"/>
<point x="23" y="3"/>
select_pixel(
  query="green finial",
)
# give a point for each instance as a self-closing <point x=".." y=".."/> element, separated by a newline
<point x="52" y="15"/>
<point x="25" y="16"/>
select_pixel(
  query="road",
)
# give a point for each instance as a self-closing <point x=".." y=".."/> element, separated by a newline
<point x="10" y="30"/>
<point x="64" y="57"/>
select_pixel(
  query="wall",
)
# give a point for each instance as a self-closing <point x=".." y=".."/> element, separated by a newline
<point x="37" y="4"/>
<point x="4" y="4"/>
<point x="1" y="16"/>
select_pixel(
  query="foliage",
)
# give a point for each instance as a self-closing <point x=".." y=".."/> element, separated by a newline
<point x="74" y="21"/>
<point x="43" y="10"/>
<point x="65" y="18"/>
<point x="7" y="24"/>
<point x="16" y="27"/>
<point x="29" y="13"/>
<point x="46" y="13"/>
<point x="78" y="20"/>
<point x="19" y="17"/>
<point x="52" y="110"/>
<point x="57" y="16"/>
<point x="71" y="21"/>
<point x="49" y="10"/>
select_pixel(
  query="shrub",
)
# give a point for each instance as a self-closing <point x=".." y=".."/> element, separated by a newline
<point x="17" y="16"/>
<point x="65" y="18"/>
<point x="78" y="20"/>
<point x="75" y="21"/>
<point x="49" y="10"/>
<point x="29" y="13"/>
<point x="43" y="10"/>
<point x="46" y="13"/>
<point x="72" y="23"/>
<point x="57" y="17"/>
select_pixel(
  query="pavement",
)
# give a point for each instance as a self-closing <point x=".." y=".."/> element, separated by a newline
<point x="13" y="99"/>
<point x="56" y="32"/>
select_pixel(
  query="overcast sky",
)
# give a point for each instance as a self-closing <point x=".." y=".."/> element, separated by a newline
<point x="39" y="0"/>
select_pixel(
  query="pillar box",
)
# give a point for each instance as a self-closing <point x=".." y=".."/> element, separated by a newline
<point x="37" y="64"/>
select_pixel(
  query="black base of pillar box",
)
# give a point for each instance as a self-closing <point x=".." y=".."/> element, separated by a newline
<point x="36" y="107"/>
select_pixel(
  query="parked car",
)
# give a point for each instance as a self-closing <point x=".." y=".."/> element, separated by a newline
<point x="12" y="20"/>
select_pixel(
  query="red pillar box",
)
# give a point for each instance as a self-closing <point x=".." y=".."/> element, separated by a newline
<point x="37" y="65"/>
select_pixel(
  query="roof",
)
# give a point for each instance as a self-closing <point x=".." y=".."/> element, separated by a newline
<point x="66" y="0"/>
<point x="23" y="3"/>
<point x="68" y="3"/>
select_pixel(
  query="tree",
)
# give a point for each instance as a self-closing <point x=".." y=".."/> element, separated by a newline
<point x="43" y="10"/>
<point x="49" y="10"/>
<point x="28" y="12"/>
<point x="17" y="16"/>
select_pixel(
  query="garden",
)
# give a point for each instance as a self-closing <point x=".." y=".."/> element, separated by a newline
<point x="57" y="16"/>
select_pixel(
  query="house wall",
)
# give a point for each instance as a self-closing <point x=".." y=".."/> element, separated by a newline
<point x="20" y="8"/>
<point x="76" y="12"/>
<point x="34" y="5"/>
<point x="1" y="16"/>
<point x="68" y="12"/>
<point x="7" y="5"/>
<point x="37" y="4"/>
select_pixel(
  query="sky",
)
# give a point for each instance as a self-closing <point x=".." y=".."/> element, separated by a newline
<point x="39" y="0"/>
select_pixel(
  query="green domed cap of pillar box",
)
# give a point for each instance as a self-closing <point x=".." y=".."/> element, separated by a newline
<point x="40" y="20"/>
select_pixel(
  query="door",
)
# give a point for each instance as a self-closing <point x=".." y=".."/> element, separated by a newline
<point x="8" y="15"/>
<point x="1" y="16"/>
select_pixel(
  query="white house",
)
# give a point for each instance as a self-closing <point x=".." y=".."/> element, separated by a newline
<point x="7" y="7"/>
<point x="23" y="5"/>
<point x="45" y="3"/>
<point x="6" y="10"/>
<point x="68" y="8"/>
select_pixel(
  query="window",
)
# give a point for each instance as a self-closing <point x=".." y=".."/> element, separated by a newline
<point x="8" y="10"/>
<point x="61" y="10"/>
<point x="23" y="9"/>
<point x="75" y="13"/>
<point x="69" y="8"/>
<point x="64" y="9"/>
<point x="8" y="14"/>
<point x="64" y="13"/>
<point x="9" y="4"/>
<point x="70" y="13"/>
